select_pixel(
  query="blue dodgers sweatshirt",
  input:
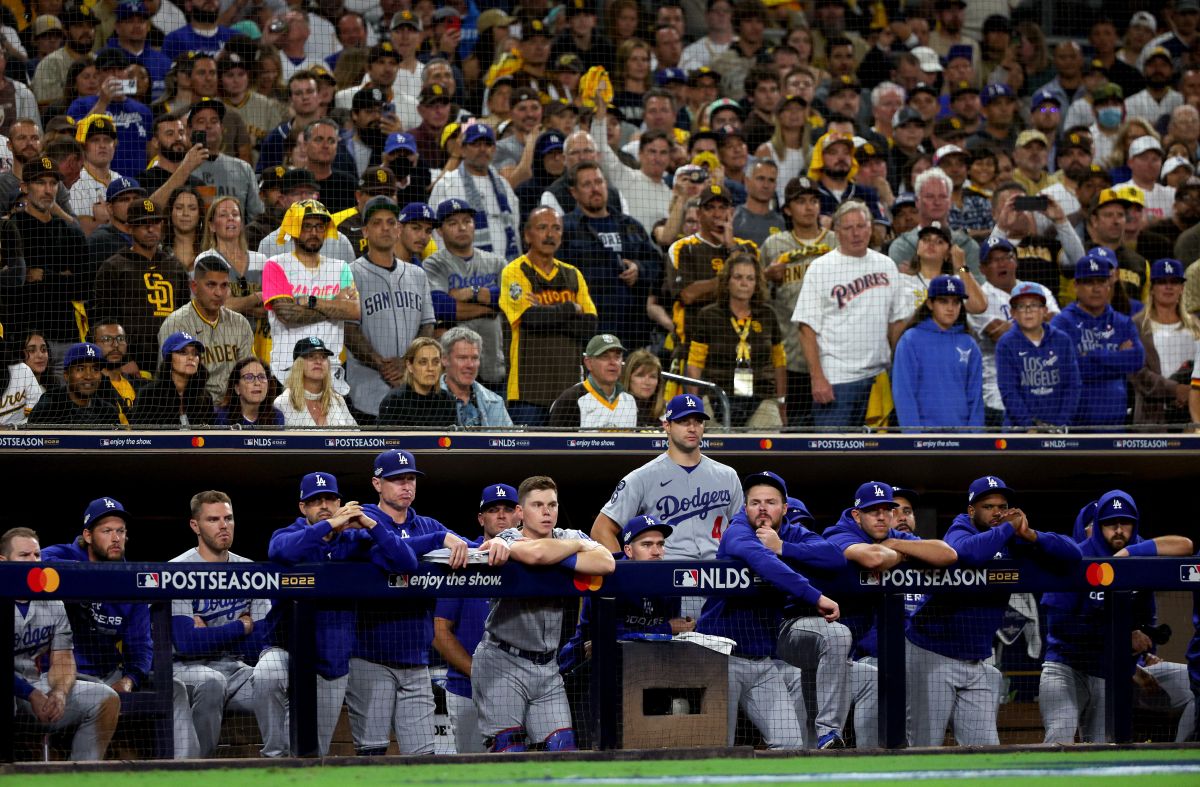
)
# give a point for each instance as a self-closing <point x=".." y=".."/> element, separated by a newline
<point x="1038" y="382"/>
<point x="753" y="622"/>
<point x="467" y="617"/>
<point x="1074" y="621"/>
<point x="962" y="626"/>
<point x="400" y="637"/>
<point x="108" y="636"/>
<point x="937" y="378"/>
<point x="1102" y="366"/>
<point x="860" y="614"/>
<point x="635" y="616"/>
<point x="301" y="542"/>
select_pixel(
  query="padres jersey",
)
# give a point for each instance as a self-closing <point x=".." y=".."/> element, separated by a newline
<point x="697" y="504"/>
<point x="542" y="365"/>
<point x="395" y="306"/>
<point x="221" y="611"/>
<point x="226" y="342"/>
<point x="22" y="394"/>
<point x="797" y="255"/>
<point x="284" y="276"/>
<point x="141" y="293"/>
<point x="38" y="628"/>
<point x="694" y="259"/>
<point x="529" y="623"/>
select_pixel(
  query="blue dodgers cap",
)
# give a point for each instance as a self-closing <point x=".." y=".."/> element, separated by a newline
<point x="797" y="513"/>
<point x="103" y="507"/>
<point x="121" y="185"/>
<point x="951" y="286"/>
<point x="477" y="132"/>
<point x="451" y="206"/>
<point x="992" y="244"/>
<point x="960" y="50"/>
<point x="768" y="478"/>
<point x="1166" y="268"/>
<point x="1027" y="288"/>
<point x="993" y="92"/>
<point x="131" y="8"/>
<point x="84" y="352"/>
<point x="988" y="485"/>
<point x="874" y="493"/>
<point x="1116" y="505"/>
<point x="1044" y="96"/>
<point x="908" y="493"/>
<point x="640" y="524"/>
<point x="395" y="462"/>
<point x="1095" y="266"/>
<point x="548" y="142"/>
<point x="497" y="493"/>
<point x="177" y="341"/>
<point x="683" y="405"/>
<point x="400" y="141"/>
<point x="417" y="211"/>
<point x="667" y="76"/>
<point x="318" y="483"/>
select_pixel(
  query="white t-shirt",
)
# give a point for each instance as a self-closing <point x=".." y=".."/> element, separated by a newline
<point x="284" y="276"/>
<point x="997" y="309"/>
<point x="339" y="413"/>
<point x="849" y="303"/>
<point x="1175" y="346"/>
<point x="22" y="394"/>
<point x="1160" y="200"/>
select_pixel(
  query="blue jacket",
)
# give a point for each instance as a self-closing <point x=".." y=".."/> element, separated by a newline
<point x="301" y="542"/>
<point x="1075" y="621"/>
<point x="185" y="39"/>
<point x="1102" y="366"/>
<point x="962" y="626"/>
<point x="135" y="127"/>
<point x="1037" y="382"/>
<point x="400" y="636"/>
<point x="468" y="616"/>
<point x="156" y="64"/>
<point x="753" y="622"/>
<point x="860" y="614"/>
<point x="635" y="617"/>
<point x="108" y="636"/>
<point x="622" y="309"/>
<point x="937" y="378"/>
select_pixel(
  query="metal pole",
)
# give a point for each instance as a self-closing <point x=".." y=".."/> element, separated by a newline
<point x="605" y="686"/>
<point x="1118" y="682"/>
<point x="893" y="722"/>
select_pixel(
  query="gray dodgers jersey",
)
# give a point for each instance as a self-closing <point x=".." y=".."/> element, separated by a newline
<point x="697" y="504"/>
<point x="218" y="611"/>
<point x="43" y="627"/>
<point x="447" y="271"/>
<point x="529" y="623"/>
<point x="395" y="304"/>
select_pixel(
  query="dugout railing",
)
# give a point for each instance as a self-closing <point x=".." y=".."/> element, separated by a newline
<point x="302" y="587"/>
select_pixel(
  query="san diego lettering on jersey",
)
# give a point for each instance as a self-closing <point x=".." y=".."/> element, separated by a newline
<point x="396" y="299"/>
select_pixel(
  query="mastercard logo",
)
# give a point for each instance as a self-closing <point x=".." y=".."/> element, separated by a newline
<point x="588" y="582"/>
<point x="1100" y="574"/>
<point x="42" y="580"/>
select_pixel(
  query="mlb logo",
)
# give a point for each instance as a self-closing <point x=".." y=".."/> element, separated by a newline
<point x="397" y="580"/>
<point x="687" y="577"/>
<point x="869" y="578"/>
<point x="1189" y="573"/>
<point x="148" y="580"/>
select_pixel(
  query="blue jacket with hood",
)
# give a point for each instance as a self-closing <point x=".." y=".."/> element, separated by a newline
<point x="937" y="378"/>
<point x="1038" y="382"/>
<point x="962" y="626"/>
<point x="1075" y="621"/>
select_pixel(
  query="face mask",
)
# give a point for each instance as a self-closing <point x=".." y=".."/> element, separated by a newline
<point x="204" y="17"/>
<point x="1108" y="117"/>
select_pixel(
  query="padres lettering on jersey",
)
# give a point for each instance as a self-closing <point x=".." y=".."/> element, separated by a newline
<point x="844" y="293"/>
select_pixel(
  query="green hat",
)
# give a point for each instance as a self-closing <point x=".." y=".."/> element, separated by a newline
<point x="602" y="343"/>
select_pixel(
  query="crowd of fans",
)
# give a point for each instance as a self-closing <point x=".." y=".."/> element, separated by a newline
<point x="477" y="215"/>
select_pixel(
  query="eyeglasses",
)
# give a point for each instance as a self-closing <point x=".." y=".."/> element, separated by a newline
<point x="1027" y="307"/>
<point x="1048" y="110"/>
<point x="112" y="339"/>
<point x="254" y="378"/>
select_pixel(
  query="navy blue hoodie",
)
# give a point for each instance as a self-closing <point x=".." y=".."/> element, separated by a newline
<point x="1038" y="382"/>
<point x="937" y="378"/>
<point x="753" y="621"/>
<point x="1075" y="621"/>
<point x="962" y="626"/>
<point x="109" y="635"/>
<point x="1102" y="366"/>
<point x="860" y="613"/>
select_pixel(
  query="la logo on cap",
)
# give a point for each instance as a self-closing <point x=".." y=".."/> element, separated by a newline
<point x="1116" y="504"/>
<point x="500" y="492"/>
<point x="109" y="503"/>
<point x="950" y="286"/>
<point x="402" y="459"/>
<point x="690" y="402"/>
<point x="92" y="353"/>
<point x="320" y="481"/>
<point x="878" y="492"/>
<point x="993" y="482"/>
<point x="1094" y="266"/>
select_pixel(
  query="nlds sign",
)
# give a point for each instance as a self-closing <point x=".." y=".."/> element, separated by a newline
<point x="716" y="578"/>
